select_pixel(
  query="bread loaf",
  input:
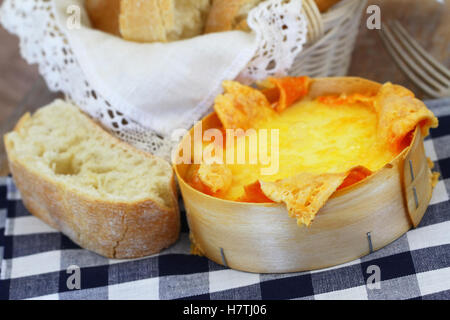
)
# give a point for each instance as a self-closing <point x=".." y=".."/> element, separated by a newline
<point x="103" y="194"/>
<point x="226" y="15"/>
<point x="104" y="15"/>
<point x="171" y="20"/>
<point x="162" y="20"/>
<point x="324" y="5"/>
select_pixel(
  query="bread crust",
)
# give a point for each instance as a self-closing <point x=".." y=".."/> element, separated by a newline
<point x="143" y="21"/>
<point x="223" y="14"/>
<point x="162" y="20"/>
<point x="104" y="15"/>
<point x="324" y="5"/>
<point x="113" y="229"/>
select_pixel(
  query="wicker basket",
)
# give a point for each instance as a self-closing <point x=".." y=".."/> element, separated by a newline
<point x="331" y="39"/>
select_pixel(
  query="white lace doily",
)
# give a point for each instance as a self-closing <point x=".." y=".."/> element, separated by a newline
<point x="279" y="26"/>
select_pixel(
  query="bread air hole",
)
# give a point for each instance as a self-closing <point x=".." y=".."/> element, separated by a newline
<point x="64" y="145"/>
<point x="65" y="166"/>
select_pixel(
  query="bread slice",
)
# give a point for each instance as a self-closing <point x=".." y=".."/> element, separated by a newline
<point x="162" y="20"/>
<point x="226" y="15"/>
<point x="189" y="19"/>
<point x="104" y="15"/>
<point x="103" y="194"/>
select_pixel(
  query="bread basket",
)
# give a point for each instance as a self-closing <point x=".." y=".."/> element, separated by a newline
<point x="355" y="221"/>
<point x="331" y="39"/>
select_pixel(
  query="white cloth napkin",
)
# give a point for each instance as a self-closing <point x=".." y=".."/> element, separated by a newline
<point x="163" y="86"/>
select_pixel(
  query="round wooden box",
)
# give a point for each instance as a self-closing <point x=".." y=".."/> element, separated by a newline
<point x="356" y="220"/>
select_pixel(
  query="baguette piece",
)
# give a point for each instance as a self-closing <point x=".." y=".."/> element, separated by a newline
<point x="226" y="15"/>
<point x="162" y="20"/>
<point x="324" y="5"/>
<point x="104" y="15"/>
<point x="103" y="194"/>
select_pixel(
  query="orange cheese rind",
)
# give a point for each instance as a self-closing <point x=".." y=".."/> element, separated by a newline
<point x="290" y="90"/>
<point x="399" y="113"/>
<point x="241" y="107"/>
<point x="253" y="193"/>
<point x="355" y="175"/>
<point x="283" y="92"/>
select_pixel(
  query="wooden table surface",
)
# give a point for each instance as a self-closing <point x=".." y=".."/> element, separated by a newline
<point x="427" y="20"/>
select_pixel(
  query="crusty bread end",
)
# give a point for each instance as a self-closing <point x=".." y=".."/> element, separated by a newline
<point x="324" y="5"/>
<point x="105" y="195"/>
<point x="162" y="20"/>
<point x="226" y="15"/>
<point x="104" y="15"/>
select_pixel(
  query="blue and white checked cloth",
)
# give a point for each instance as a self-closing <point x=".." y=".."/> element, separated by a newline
<point x="34" y="259"/>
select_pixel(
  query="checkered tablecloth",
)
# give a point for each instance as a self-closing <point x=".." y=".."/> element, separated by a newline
<point x="35" y="259"/>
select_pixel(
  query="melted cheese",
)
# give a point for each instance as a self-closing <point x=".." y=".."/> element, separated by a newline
<point x="317" y="138"/>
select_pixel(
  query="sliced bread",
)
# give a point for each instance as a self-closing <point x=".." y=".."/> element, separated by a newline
<point x="104" y="15"/>
<point x="226" y="15"/>
<point x="103" y="194"/>
<point x="162" y="20"/>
